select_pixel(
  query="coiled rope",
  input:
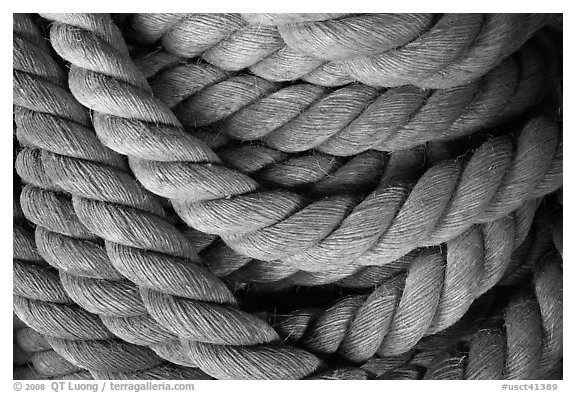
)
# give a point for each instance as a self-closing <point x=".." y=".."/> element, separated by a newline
<point x="205" y="301"/>
<point x="348" y="120"/>
<point x="44" y="360"/>
<point x="325" y="194"/>
<point x="423" y="50"/>
<point x="215" y="199"/>
<point x="430" y="297"/>
<point x="530" y="346"/>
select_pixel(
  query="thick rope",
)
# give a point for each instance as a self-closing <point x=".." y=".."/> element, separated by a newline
<point x="433" y="295"/>
<point x="412" y="364"/>
<point x="45" y="361"/>
<point x="527" y="346"/>
<point x="357" y="176"/>
<point x="424" y="50"/>
<point x="91" y="294"/>
<point x="522" y="340"/>
<point x="360" y="327"/>
<point x="312" y="174"/>
<point x="83" y="263"/>
<point x="188" y="172"/>
<point x="141" y="275"/>
<point x="144" y="248"/>
<point x="70" y="147"/>
<point x="348" y="120"/>
<point x="41" y="301"/>
<point x="86" y="273"/>
<point x="300" y="170"/>
<point x="391" y="221"/>
<point x="75" y="334"/>
<point x="225" y="262"/>
<point x="436" y="362"/>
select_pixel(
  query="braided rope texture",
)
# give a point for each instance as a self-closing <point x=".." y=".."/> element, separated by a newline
<point x="287" y="196"/>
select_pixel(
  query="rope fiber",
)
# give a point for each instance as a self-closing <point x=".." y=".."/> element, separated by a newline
<point x="287" y="196"/>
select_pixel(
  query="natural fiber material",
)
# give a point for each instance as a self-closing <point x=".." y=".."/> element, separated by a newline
<point x="47" y="363"/>
<point x="530" y="347"/>
<point x="426" y="51"/>
<point x="431" y="296"/>
<point x="222" y="201"/>
<point x="42" y="303"/>
<point x="52" y="211"/>
<point x="177" y="208"/>
<point x="348" y="120"/>
<point x="126" y="311"/>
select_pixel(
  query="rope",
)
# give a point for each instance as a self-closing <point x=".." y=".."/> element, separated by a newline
<point x="428" y="51"/>
<point x="60" y="235"/>
<point x="312" y="174"/>
<point x="224" y="262"/>
<point x="215" y="199"/>
<point x="348" y="120"/>
<point x="443" y="190"/>
<point x="47" y="363"/>
<point x="208" y="302"/>
<point x="176" y="208"/>
<point x="530" y="346"/>
<point x="251" y="158"/>
<point x="75" y="334"/>
<point x="409" y="365"/>
<point x="433" y="295"/>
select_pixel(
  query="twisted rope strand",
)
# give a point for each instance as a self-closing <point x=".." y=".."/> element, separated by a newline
<point x="413" y="364"/>
<point x="152" y="287"/>
<point x="255" y="157"/>
<point x="141" y="250"/>
<point x="391" y="221"/>
<point x="93" y="282"/>
<point x="42" y="303"/>
<point x="194" y="347"/>
<point x="188" y="171"/>
<point x="262" y="163"/>
<point x="436" y="291"/>
<point x="377" y="49"/>
<point x="225" y="262"/>
<point x="45" y="361"/>
<point x="455" y="50"/>
<point x="351" y="119"/>
<point x="528" y="346"/>
<point x="76" y="335"/>
<point x="315" y="174"/>
<point x="226" y="41"/>
<point x="86" y="273"/>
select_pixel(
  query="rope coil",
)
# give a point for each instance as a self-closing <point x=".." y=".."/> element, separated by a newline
<point x="427" y="51"/>
<point x="392" y="164"/>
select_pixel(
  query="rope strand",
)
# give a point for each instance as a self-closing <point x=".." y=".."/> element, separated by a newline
<point x="351" y="119"/>
<point x="175" y="207"/>
<point x="528" y="346"/>
<point x="387" y="50"/>
<point x="434" y="293"/>
<point x="218" y="200"/>
<point x="181" y="297"/>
